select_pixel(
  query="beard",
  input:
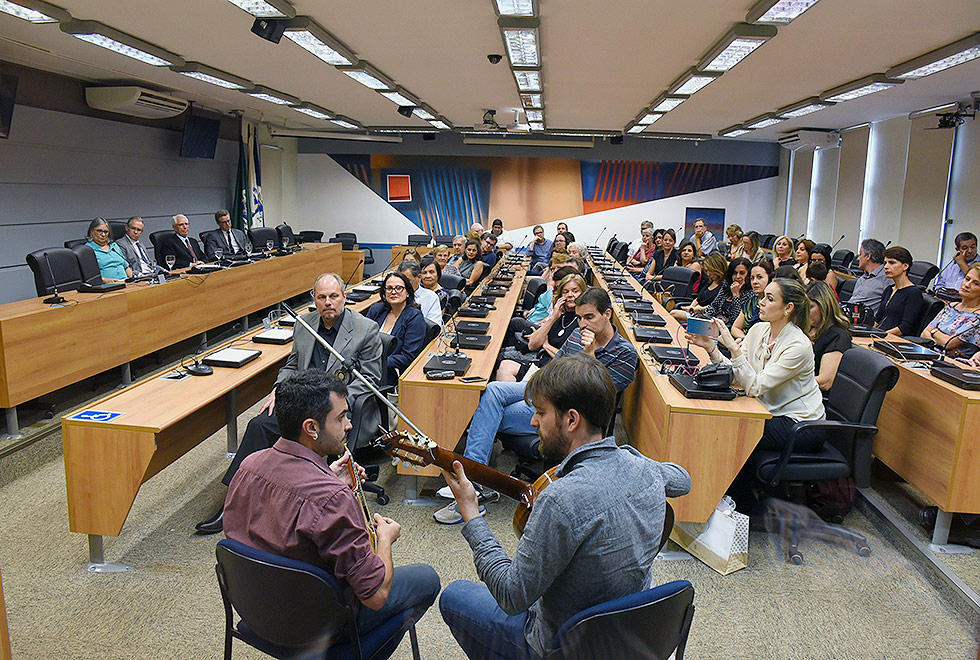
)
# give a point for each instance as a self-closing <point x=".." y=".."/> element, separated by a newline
<point x="554" y="448"/>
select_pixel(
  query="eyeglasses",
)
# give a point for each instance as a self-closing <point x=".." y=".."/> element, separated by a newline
<point x="102" y="232"/>
<point x="398" y="288"/>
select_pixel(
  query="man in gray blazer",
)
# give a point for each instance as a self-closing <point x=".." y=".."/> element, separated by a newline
<point x="354" y="337"/>
<point x="229" y="241"/>
<point x="133" y="250"/>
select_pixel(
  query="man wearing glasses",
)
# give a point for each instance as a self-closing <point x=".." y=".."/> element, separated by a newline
<point x="230" y="241"/>
<point x="540" y="247"/>
<point x="133" y="250"/>
<point x="356" y="338"/>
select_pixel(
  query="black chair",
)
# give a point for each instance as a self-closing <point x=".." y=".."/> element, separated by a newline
<point x="349" y="238"/>
<point x="285" y="231"/>
<point x="347" y="234"/>
<point x="117" y="228"/>
<point x="156" y="238"/>
<point x="841" y="259"/>
<point x="60" y="269"/>
<point x="444" y="239"/>
<point x="345" y="243"/>
<point x="419" y="240"/>
<point x="612" y="242"/>
<point x="453" y="303"/>
<point x="452" y="281"/>
<point x="678" y="282"/>
<point x="621" y="252"/>
<point x="624" y="628"/>
<point x="922" y="272"/>
<point x="537" y="269"/>
<point x="310" y="236"/>
<point x="845" y="287"/>
<point x="532" y="291"/>
<point x="291" y="609"/>
<point x="200" y="236"/>
<point x="365" y="455"/>
<point x="88" y="265"/>
<point x="852" y="406"/>
<point x="260" y="237"/>
<point x="768" y="240"/>
<point x="823" y="245"/>
<point x="432" y="330"/>
<point x="75" y="241"/>
<point x="931" y="306"/>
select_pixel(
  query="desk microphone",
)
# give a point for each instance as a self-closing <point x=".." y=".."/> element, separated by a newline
<point x="523" y="243"/>
<point x="353" y="273"/>
<point x="600" y="235"/>
<point x="198" y="369"/>
<point x="836" y="243"/>
<point x="385" y="269"/>
<point x="56" y="299"/>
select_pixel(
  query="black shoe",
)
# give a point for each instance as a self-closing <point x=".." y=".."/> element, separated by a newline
<point x="212" y="525"/>
<point x="927" y="517"/>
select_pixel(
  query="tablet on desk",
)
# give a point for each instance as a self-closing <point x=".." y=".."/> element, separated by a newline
<point x="231" y="357"/>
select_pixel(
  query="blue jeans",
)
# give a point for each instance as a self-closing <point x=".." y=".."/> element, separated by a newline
<point x="482" y="629"/>
<point x="413" y="587"/>
<point x="501" y="409"/>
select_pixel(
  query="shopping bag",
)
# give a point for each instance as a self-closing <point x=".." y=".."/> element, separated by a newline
<point x="722" y="543"/>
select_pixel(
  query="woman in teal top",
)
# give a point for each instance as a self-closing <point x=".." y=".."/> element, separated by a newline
<point x="112" y="263"/>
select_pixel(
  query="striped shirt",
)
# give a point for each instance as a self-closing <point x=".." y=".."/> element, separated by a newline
<point x="618" y="355"/>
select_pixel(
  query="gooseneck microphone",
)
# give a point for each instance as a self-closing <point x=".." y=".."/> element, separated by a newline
<point x="596" y="243"/>
<point x="836" y="243"/>
<point x="353" y="272"/>
<point x="56" y="299"/>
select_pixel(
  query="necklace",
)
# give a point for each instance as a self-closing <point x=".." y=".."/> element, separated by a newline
<point x="566" y="326"/>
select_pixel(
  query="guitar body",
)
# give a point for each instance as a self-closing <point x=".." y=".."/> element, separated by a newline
<point x="523" y="511"/>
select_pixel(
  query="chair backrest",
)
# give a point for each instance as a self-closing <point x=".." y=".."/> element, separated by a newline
<point x="88" y="265"/>
<point x="345" y="243"/>
<point x="75" y="241"/>
<point x="155" y="239"/>
<point x="679" y="281"/>
<point x="285" y="231"/>
<point x="863" y="378"/>
<point x="768" y="240"/>
<point x="310" y="236"/>
<point x="260" y="236"/>
<point x="452" y="281"/>
<point x="822" y="245"/>
<point x="537" y="269"/>
<point x="432" y="330"/>
<point x="845" y="287"/>
<point x="922" y="272"/>
<point x="346" y="234"/>
<point x="285" y="601"/>
<point x="621" y="252"/>
<point x="63" y="264"/>
<point x="931" y="306"/>
<point x="388" y="345"/>
<point x="842" y="258"/>
<point x="453" y="302"/>
<point x="419" y="239"/>
<point x="444" y="239"/>
<point x="200" y="236"/>
<point x="612" y="242"/>
<point x="625" y="628"/>
<point x="535" y="287"/>
<point x="117" y="228"/>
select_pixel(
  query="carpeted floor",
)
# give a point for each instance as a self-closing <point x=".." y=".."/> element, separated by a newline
<point x="837" y="605"/>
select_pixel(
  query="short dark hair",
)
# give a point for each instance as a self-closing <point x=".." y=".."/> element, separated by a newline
<point x="964" y="236"/>
<point x="429" y="260"/>
<point x="817" y="271"/>
<point x="575" y="382"/>
<point x="595" y="296"/>
<point x="411" y="266"/>
<point x="823" y="250"/>
<point x="875" y="250"/>
<point x="562" y="272"/>
<point x="409" y="289"/>
<point x="786" y="272"/>
<point x="730" y="272"/>
<point x="490" y="235"/>
<point x="220" y="213"/>
<point x="473" y="241"/>
<point x="305" y="395"/>
<point x="900" y="254"/>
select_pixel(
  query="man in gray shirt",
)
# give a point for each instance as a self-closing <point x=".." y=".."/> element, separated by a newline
<point x="592" y="534"/>
<point x="869" y="286"/>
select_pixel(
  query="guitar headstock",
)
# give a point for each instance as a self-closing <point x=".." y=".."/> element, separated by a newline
<point x="410" y="448"/>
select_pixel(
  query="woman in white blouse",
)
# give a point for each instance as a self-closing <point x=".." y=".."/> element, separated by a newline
<point x="775" y="363"/>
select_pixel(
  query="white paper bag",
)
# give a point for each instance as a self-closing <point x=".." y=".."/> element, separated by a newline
<point x="722" y="543"/>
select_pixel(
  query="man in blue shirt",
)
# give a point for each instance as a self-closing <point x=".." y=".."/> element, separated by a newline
<point x="966" y="256"/>
<point x="488" y="243"/>
<point x="540" y="247"/>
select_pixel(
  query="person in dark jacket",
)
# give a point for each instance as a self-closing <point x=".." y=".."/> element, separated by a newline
<point x="397" y="315"/>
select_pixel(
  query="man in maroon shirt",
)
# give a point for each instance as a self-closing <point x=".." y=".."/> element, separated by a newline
<point x="289" y="501"/>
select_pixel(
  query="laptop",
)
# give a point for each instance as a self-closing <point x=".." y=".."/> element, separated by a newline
<point x="496" y="293"/>
<point x="477" y="342"/>
<point x="231" y="357"/>
<point x="471" y="327"/>
<point x="867" y="331"/>
<point x="458" y="364"/>
<point x="357" y="296"/>
<point x="482" y="300"/>
<point x="902" y="351"/>
<point x="204" y="269"/>
<point x="639" y="306"/>
<point x="274" y="336"/>
<point x="653" y="335"/>
<point x="648" y="319"/>
<point x="686" y="385"/>
<point x="968" y="379"/>
<point x="672" y="355"/>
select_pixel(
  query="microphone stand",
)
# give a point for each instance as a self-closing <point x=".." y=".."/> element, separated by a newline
<point x="57" y="298"/>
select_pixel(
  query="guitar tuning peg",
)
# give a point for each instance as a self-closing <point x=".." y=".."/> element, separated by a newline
<point x="395" y="461"/>
<point x="415" y="467"/>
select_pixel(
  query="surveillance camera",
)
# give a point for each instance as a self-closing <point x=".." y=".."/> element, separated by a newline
<point x="495" y="58"/>
<point x="406" y="110"/>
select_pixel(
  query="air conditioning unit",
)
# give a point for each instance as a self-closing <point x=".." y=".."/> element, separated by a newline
<point x="135" y="101"/>
<point x="809" y="140"/>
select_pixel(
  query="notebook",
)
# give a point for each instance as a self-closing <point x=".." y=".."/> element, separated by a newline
<point x="231" y="357"/>
<point x="904" y="351"/>
<point x="471" y="327"/>
<point x="653" y="335"/>
<point x="101" y="288"/>
<point x="648" y="319"/>
<point x="968" y="379"/>
<point x="686" y="385"/>
<point x="625" y="294"/>
<point x="274" y="336"/>
<point x="473" y="312"/>
<point x="639" y="306"/>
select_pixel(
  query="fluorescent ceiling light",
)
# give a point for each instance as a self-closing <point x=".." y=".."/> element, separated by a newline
<point x="424" y="112"/>
<point x="636" y="128"/>
<point x="272" y="96"/>
<point x="535" y="126"/>
<point x="524" y="142"/>
<point x="734" y="131"/>
<point x="294" y="132"/>
<point x="206" y="74"/>
<point x="666" y="103"/>
<point x="345" y="122"/>
<point x="521" y="40"/>
<point x="528" y="81"/>
<point x="307" y="34"/>
<point x="266" y="8"/>
<point x="368" y="76"/>
<point x="737" y="44"/>
<point x="858" y="88"/>
<point x="779" y="12"/>
<point x="648" y="118"/>
<point x="535" y="115"/>
<point x="399" y="98"/>
<point x="697" y="137"/>
<point x="402" y="129"/>
<point x="938" y="60"/>
<point x="532" y="100"/>
<point x="119" y="42"/>
<point x="802" y="108"/>
<point x="515" y="7"/>
<point x="691" y="81"/>
<point x="314" y="111"/>
<point x="35" y="11"/>
<point x="764" y="121"/>
<point x="441" y="124"/>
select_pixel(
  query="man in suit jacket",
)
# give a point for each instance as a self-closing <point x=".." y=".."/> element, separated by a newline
<point x="186" y="249"/>
<point x="356" y="338"/>
<point x="133" y="250"/>
<point x="230" y="241"/>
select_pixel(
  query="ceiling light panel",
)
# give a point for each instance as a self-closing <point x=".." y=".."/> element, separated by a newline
<point x="636" y="128"/>
<point x="314" y="111"/>
<point x="521" y="39"/>
<point x="737" y="44"/>
<point x="858" y="88"/>
<point x="666" y="103"/>
<point x="803" y="108"/>
<point x="734" y="131"/>
<point x="764" y="121"/>
<point x="266" y="8"/>
<point x="528" y="81"/>
<point x="368" y="76"/>
<point x="119" y="42"/>
<point x="532" y="100"/>
<point x="206" y="74"/>
<point x="535" y="115"/>
<point x="691" y="82"/>
<point x="272" y="96"/>
<point x="938" y="60"/>
<point x="697" y="137"/>
<point x="515" y="7"/>
<point x="34" y="11"/>
<point x="441" y="124"/>
<point x="535" y="126"/>
<point x="778" y="12"/>
<point x="345" y="122"/>
<point x="307" y="34"/>
<point x="648" y="118"/>
<point x="399" y="98"/>
<point x="424" y="112"/>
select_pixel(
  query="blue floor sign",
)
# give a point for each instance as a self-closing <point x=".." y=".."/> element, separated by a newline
<point x="96" y="416"/>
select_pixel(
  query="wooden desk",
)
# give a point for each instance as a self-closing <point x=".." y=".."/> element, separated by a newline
<point x="710" y="439"/>
<point x="352" y="269"/>
<point x="44" y="348"/>
<point x="398" y="252"/>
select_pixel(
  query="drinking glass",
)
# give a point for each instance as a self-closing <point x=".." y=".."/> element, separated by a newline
<point x="171" y="260"/>
<point x="249" y="248"/>
<point x="269" y="245"/>
<point x="217" y="254"/>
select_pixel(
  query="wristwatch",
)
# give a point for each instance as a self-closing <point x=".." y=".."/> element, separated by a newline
<point x="932" y="333"/>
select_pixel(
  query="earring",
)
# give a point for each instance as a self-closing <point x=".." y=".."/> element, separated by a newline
<point x="315" y="436"/>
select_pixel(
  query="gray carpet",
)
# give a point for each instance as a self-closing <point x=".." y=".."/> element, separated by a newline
<point x="837" y="605"/>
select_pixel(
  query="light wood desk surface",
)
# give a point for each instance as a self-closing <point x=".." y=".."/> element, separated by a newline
<point x="398" y="252"/>
<point x="46" y="347"/>
<point x="352" y="269"/>
<point x="710" y="439"/>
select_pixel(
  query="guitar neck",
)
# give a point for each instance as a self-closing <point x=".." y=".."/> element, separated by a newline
<point x="485" y="476"/>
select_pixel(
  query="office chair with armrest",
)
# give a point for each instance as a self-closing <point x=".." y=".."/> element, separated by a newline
<point x="117" y="228"/>
<point x="88" y="265"/>
<point x="444" y="239"/>
<point x="453" y="303"/>
<point x="922" y="272"/>
<point x="260" y="236"/>
<point x="621" y="252"/>
<point x="845" y="288"/>
<point x="155" y="240"/>
<point x="64" y="265"/>
<point x="432" y="330"/>
<point x="841" y="259"/>
<point x="612" y="242"/>
<point x="452" y="281"/>
<point x="310" y="236"/>
<point x="285" y="231"/>
<point x="532" y="291"/>
<point x="852" y="406"/>
<point x="823" y="245"/>
<point x="768" y="240"/>
<point x="346" y="234"/>
<point x="419" y="240"/>
<point x="931" y="306"/>
<point x="75" y="241"/>
<point x="678" y="282"/>
<point x="291" y="609"/>
<point x="345" y="243"/>
<point x="359" y="443"/>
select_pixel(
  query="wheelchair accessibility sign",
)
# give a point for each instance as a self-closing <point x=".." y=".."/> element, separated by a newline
<point x="96" y="416"/>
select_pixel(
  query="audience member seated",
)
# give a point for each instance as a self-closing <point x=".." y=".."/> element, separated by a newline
<point x="543" y="305"/>
<point x="288" y="500"/>
<point x="398" y="315"/>
<point x="687" y="257"/>
<point x="752" y="249"/>
<point x="658" y="237"/>
<point x="540" y="247"/>
<point x="714" y="267"/>
<point x="956" y="329"/>
<point x="441" y="255"/>
<point x="411" y="254"/>
<point x="782" y="252"/>
<point x="829" y="330"/>
<point x="452" y="263"/>
<point x="818" y="273"/>
<point x="735" y="247"/>
<point x="901" y="302"/>
<point x="488" y="243"/>
<point x="112" y="263"/>
<point x="186" y="250"/>
<point x="429" y="279"/>
<point x="504" y="240"/>
<point x="503" y="408"/>
<point x="644" y="224"/>
<point x="643" y="253"/>
<point x="545" y="341"/>
<point x="569" y="237"/>
<point x="735" y="292"/>
<point x="759" y="277"/>
<point x="134" y="252"/>
<point x="427" y="301"/>
<point x="869" y="286"/>
<point x="355" y="338"/>
<point x="226" y="238"/>
<point x="966" y="255"/>
<point x="821" y="254"/>
<point x="663" y="258"/>
<point x="704" y="241"/>
<point x="804" y="247"/>
<point x="577" y="250"/>
<point x="560" y="244"/>
<point x="471" y="266"/>
<point x="788" y="272"/>
<point x="561" y="228"/>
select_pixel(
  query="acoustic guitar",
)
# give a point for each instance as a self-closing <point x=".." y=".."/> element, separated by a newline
<point x="359" y="494"/>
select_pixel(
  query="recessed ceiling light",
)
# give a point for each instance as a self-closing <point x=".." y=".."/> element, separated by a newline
<point x="528" y="81"/>
<point x="266" y="8"/>
<point x="734" y="131"/>
<point x="535" y="126"/>
<point x="737" y="44"/>
<point x="206" y="74"/>
<point x="515" y="7"/>
<point x="938" y="60"/>
<point x="804" y="107"/>
<point x="521" y="40"/>
<point x="532" y="100"/>
<point x="648" y="118"/>
<point x="697" y="137"/>
<point x="368" y="76"/>
<point x="764" y="121"/>
<point x="858" y="88"/>
<point x="666" y="103"/>
<point x="691" y="82"/>
<point x="34" y="11"/>
<point x="535" y="115"/>
<point x="307" y="34"/>
<point x="424" y="112"/>
<point x="314" y="111"/>
<point x="345" y="122"/>
<point x="272" y="96"/>
<point x="636" y="128"/>
<point x="779" y="12"/>
<point x="441" y="124"/>
<point x="119" y="42"/>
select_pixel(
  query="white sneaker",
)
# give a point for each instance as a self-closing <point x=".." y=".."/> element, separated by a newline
<point x="445" y="492"/>
<point x="450" y="515"/>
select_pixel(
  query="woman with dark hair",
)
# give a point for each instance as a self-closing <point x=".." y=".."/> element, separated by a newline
<point x="113" y="265"/>
<point x="901" y="302"/>
<point x="759" y="276"/>
<point x="569" y="238"/>
<point x="829" y="330"/>
<point x="821" y="253"/>
<point x="751" y="249"/>
<point x="560" y="244"/>
<point x="471" y="266"/>
<point x="735" y="292"/>
<point x="802" y="255"/>
<point x="658" y="236"/>
<point x="397" y="315"/>
<point x="687" y="257"/>
<point x="429" y="279"/>
<point x="663" y="258"/>
<point x="713" y="270"/>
